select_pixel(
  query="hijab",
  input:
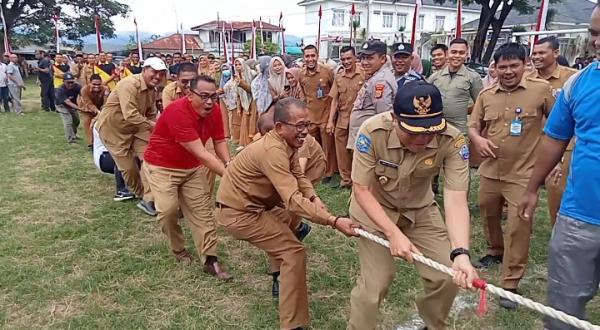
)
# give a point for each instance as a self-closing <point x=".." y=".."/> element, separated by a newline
<point x="247" y="76"/>
<point x="296" y="90"/>
<point x="489" y="80"/>
<point x="277" y="81"/>
<point x="416" y="64"/>
<point x="260" y="85"/>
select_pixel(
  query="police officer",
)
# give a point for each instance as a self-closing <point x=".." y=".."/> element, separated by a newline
<point x="378" y="91"/>
<point x="544" y="56"/>
<point x="263" y="183"/>
<point x="396" y="157"/>
<point x="513" y="110"/>
<point x="401" y="60"/>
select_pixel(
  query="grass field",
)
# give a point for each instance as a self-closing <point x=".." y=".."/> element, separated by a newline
<point x="70" y="257"/>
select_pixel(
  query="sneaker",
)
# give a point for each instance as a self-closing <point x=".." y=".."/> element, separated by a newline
<point x="303" y="231"/>
<point x="123" y="196"/>
<point x="147" y="207"/>
<point x="509" y="304"/>
<point x="275" y="286"/>
<point x="488" y="261"/>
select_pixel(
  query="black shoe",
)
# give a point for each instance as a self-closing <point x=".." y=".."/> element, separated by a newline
<point x="275" y="286"/>
<point x="488" y="261"/>
<point x="326" y="180"/>
<point x="147" y="207"/>
<point x="303" y="231"/>
<point x="123" y="196"/>
<point x="509" y="304"/>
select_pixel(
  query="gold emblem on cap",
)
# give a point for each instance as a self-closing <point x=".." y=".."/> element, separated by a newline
<point x="383" y="179"/>
<point x="428" y="161"/>
<point x="422" y="104"/>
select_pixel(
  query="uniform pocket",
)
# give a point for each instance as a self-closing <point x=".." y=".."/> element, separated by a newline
<point x="387" y="177"/>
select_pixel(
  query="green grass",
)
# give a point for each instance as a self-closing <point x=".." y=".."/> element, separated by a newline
<point x="70" y="257"/>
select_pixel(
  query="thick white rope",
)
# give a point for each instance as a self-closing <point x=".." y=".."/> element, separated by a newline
<point x="548" y="311"/>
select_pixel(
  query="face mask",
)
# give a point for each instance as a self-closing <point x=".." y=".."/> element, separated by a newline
<point x="226" y="73"/>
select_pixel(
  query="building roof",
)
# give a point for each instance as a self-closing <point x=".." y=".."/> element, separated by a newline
<point x="569" y="12"/>
<point x="173" y="42"/>
<point x="237" y="26"/>
<point x="446" y="4"/>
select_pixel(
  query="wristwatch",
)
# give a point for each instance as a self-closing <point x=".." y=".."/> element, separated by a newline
<point x="458" y="251"/>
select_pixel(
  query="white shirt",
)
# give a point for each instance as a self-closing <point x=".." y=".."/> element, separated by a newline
<point x="3" y="75"/>
<point x="99" y="147"/>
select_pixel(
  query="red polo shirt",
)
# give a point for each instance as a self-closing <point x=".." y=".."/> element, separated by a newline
<point x="180" y="123"/>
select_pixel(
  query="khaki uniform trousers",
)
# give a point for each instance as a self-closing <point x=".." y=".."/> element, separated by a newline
<point x="235" y="118"/>
<point x="270" y="232"/>
<point x="555" y="191"/>
<point x="328" y="144"/>
<point x="514" y="243"/>
<point x="188" y="190"/>
<point x="87" y="126"/>
<point x="343" y="155"/>
<point x="377" y="269"/>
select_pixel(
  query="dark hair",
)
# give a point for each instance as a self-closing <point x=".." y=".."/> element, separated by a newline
<point x="265" y="122"/>
<point x="203" y="78"/>
<point x="95" y="76"/>
<point x="177" y="53"/>
<point x="552" y="40"/>
<point x="309" y="47"/>
<point x="346" y="49"/>
<point x="459" y="41"/>
<point x="134" y="53"/>
<point x="78" y="55"/>
<point x="281" y="111"/>
<point x="510" y="51"/>
<point x="561" y="60"/>
<point x="169" y="55"/>
<point x="186" y="67"/>
<point x="435" y="47"/>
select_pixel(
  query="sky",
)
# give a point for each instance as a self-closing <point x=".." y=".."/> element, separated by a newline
<point x="195" y="12"/>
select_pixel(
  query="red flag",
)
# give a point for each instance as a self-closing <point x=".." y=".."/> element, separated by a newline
<point x="319" y="32"/>
<point x="282" y="30"/>
<point x="541" y="21"/>
<point x="7" y="47"/>
<point x="413" y="34"/>
<point x="98" y="40"/>
<point x="458" y="19"/>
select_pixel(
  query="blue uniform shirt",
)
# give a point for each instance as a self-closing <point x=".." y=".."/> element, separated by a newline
<point x="577" y="113"/>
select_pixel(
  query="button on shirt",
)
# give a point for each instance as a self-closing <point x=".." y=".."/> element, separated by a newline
<point x="178" y="124"/>
<point x="318" y="107"/>
<point x="399" y="179"/>
<point x="531" y="101"/>
<point x="458" y="92"/>
<point x="376" y="96"/>
<point x="576" y="114"/>
<point x="345" y="89"/>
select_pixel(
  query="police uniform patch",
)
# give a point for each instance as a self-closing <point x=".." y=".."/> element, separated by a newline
<point x="464" y="152"/>
<point x="459" y="142"/>
<point x="379" y="88"/>
<point x="363" y="143"/>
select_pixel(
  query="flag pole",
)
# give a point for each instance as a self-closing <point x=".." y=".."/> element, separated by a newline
<point x="352" y="18"/>
<point x="541" y="21"/>
<point x="262" y="35"/>
<point x="458" y="20"/>
<point x="319" y="31"/>
<point x="220" y="36"/>
<point x="282" y="32"/>
<point x="7" y="47"/>
<point x="183" y="46"/>
<point x="98" y="39"/>
<point x="137" y="40"/>
<point x="56" y="33"/>
<point x="232" y="45"/>
<point x="413" y="34"/>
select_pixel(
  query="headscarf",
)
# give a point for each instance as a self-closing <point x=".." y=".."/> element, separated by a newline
<point x="489" y="80"/>
<point x="245" y="97"/>
<point x="296" y="90"/>
<point x="277" y="81"/>
<point x="225" y="74"/>
<point x="260" y="85"/>
<point x="416" y="64"/>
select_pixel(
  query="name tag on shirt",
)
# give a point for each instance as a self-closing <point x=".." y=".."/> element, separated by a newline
<point x="388" y="164"/>
<point x="516" y="127"/>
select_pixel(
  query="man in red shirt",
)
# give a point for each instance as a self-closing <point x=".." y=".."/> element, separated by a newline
<point x="177" y="165"/>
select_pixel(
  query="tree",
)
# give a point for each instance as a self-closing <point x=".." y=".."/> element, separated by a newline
<point x="492" y="17"/>
<point x="267" y="48"/>
<point x="30" y="21"/>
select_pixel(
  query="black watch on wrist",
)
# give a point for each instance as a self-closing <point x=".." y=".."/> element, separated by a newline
<point x="458" y="251"/>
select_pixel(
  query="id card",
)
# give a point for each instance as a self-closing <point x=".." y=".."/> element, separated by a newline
<point x="516" y="127"/>
<point x="320" y="93"/>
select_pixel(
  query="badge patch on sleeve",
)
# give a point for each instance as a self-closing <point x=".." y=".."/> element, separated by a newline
<point x="363" y="143"/>
<point x="379" y="88"/>
<point x="464" y="152"/>
<point x="459" y="142"/>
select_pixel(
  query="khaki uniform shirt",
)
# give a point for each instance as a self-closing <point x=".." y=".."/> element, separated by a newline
<point x="309" y="82"/>
<point x="316" y="164"/>
<point x="170" y="93"/>
<point x="557" y="80"/>
<point x="497" y="107"/>
<point x="85" y="73"/>
<point x="458" y="93"/>
<point x="345" y="89"/>
<point x="376" y="96"/>
<point x="127" y="112"/>
<point x="399" y="179"/>
<point x="92" y="102"/>
<point x="266" y="174"/>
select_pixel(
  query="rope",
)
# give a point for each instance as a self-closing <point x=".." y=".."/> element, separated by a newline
<point x="484" y="286"/>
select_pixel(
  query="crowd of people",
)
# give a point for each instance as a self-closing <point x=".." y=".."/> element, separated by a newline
<point x="163" y="127"/>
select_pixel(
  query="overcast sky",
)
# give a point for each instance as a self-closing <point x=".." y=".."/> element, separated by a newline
<point x="161" y="20"/>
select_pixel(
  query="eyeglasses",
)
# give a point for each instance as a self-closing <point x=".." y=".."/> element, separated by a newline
<point x="300" y="126"/>
<point x="204" y="96"/>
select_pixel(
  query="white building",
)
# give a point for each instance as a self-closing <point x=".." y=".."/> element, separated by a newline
<point x="379" y="19"/>
<point x="210" y="35"/>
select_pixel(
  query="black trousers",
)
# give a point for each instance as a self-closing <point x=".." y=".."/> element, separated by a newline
<point x="107" y="165"/>
<point x="5" y="97"/>
<point x="47" y="94"/>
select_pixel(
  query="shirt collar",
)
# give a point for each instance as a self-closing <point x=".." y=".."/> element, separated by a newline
<point x="317" y="70"/>
<point x="143" y="85"/>
<point x="523" y="84"/>
<point x="273" y="134"/>
<point x="460" y="72"/>
<point x="190" y="109"/>
<point x="555" y="74"/>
